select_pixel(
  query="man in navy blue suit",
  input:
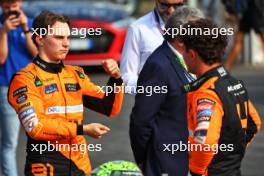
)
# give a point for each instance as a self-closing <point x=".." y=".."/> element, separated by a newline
<point x="158" y="124"/>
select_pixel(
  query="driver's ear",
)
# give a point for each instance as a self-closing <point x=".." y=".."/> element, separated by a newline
<point x="193" y="54"/>
<point x="39" y="40"/>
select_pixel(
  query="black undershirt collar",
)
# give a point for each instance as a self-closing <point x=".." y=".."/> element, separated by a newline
<point x="48" y="67"/>
<point x="218" y="71"/>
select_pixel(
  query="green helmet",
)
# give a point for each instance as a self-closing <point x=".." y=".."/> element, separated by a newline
<point x="117" y="168"/>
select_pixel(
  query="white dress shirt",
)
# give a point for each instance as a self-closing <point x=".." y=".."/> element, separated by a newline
<point x="142" y="38"/>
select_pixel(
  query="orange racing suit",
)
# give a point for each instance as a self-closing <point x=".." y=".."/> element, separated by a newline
<point x="49" y="100"/>
<point x="221" y="122"/>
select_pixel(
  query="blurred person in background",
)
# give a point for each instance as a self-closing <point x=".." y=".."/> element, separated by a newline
<point x="222" y="120"/>
<point x="17" y="49"/>
<point x="212" y="9"/>
<point x="143" y="37"/>
<point x="250" y="14"/>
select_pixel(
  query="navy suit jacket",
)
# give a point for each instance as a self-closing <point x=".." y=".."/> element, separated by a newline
<point x="158" y="123"/>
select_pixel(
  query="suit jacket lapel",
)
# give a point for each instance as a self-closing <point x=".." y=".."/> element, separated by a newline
<point x="172" y="58"/>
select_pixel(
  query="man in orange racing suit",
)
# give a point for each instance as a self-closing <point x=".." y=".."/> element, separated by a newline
<point x="49" y="97"/>
<point x="221" y="119"/>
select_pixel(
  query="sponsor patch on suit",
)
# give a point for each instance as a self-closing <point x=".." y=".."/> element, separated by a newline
<point x="204" y="106"/>
<point x="26" y="112"/>
<point x="72" y="87"/>
<point x="206" y="112"/>
<point x="20" y="91"/>
<point x="200" y="133"/>
<point x="203" y="118"/>
<point x="27" y="104"/>
<point x="51" y="88"/>
<point x="205" y="100"/>
<point x="21" y="98"/>
<point x="29" y="122"/>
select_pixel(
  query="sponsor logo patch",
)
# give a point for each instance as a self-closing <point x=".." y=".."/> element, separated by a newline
<point x="205" y="100"/>
<point x="200" y="133"/>
<point x="72" y="87"/>
<point x="221" y="71"/>
<point x="26" y="112"/>
<point x="51" y="88"/>
<point x="204" y="106"/>
<point x="55" y="110"/>
<point x="234" y="87"/>
<point x="29" y="122"/>
<point x="80" y="74"/>
<point x="202" y="126"/>
<point x="21" y="98"/>
<point x="206" y="112"/>
<point x="64" y="109"/>
<point x="203" y="118"/>
<point x="200" y="139"/>
<point x="26" y="119"/>
<point x="24" y="105"/>
<point x="20" y="91"/>
<point x="38" y="82"/>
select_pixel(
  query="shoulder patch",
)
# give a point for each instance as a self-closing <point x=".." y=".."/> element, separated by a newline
<point x="20" y="91"/>
<point x="80" y="74"/>
<point x="203" y="119"/>
<point x="25" y="105"/>
<point x="200" y="133"/>
<point x="205" y="109"/>
<point x="26" y="112"/>
<point x="205" y="106"/>
<point x="29" y="122"/>
<point x="21" y="98"/>
<point x="206" y="112"/>
<point x="38" y="82"/>
<point x="205" y="100"/>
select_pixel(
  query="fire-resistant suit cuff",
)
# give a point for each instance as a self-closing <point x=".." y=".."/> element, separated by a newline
<point x="79" y="129"/>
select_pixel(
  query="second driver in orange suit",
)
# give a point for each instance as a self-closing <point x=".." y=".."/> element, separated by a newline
<point x="221" y="119"/>
<point x="49" y="98"/>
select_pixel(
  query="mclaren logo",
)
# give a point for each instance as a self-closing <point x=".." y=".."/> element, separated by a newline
<point x="235" y="87"/>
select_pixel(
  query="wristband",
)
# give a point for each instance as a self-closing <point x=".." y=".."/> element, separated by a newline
<point x="27" y="31"/>
<point x="79" y="129"/>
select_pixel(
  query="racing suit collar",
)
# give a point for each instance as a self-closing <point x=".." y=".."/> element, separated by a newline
<point x="218" y="71"/>
<point x="48" y="67"/>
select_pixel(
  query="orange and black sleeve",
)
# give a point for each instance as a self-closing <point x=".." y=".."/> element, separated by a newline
<point x="107" y="99"/>
<point x="27" y="101"/>
<point x="206" y="114"/>
<point x="253" y="122"/>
